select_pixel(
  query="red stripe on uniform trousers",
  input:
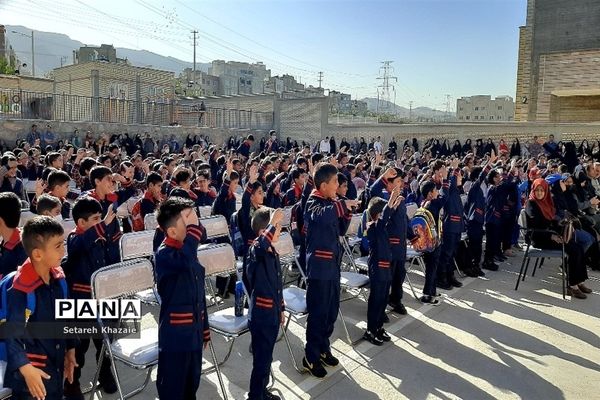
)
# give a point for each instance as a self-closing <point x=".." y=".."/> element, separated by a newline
<point x="264" y="299"/>
<point x="37" y="364"/>
<point x="180" y="315"/>
<point x="38" y="356"/>
<point x="181" y="321"/>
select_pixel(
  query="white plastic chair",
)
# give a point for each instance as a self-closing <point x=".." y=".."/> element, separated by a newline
<point x="150" y="222"/>
<point x="139" y="245"/>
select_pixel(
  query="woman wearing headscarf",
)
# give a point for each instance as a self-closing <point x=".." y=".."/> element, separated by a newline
<point x="541" y="215"/>
<point x="515" y="149"/>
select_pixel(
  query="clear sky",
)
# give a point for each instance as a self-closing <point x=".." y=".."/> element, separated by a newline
<point x="439" y="47"/>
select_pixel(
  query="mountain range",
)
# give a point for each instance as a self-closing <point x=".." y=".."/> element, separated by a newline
<point x="54" y="49"/>
<point x="424" y="114"/>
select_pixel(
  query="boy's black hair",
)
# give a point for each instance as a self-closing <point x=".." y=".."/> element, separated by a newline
<point x="170" y="210"/>
<point x="47" y="202"/>
<point x="475" y="172"/>
<point x="491" y="175"/>
<point x="233" y="175"/>
<point x="10" y="209"/>
<point x="317" y="158"/>
<point x="296" y="173"/>
<point x="427" y="187"/>
<point x="85" y="207"/>
<point x="56" y="178"/>
<point x="399" y="174"/>
<point x="153" y="178"/>
<point x="269" y="177"/>
<point x="112" y="146"/>
<point x="103" y="158"/>
<point x="437" y="165"/>
<point x="323" y="173"/>
<point x="375" y="207"/>
<point x="182" y="176"/>
<point x="51" y="157"/>
<point x="204" y="174"/>
<point x="301" y="160"/>
<point x="341" y="178"/>
<point x="168" y="160"/>
<point x="37" y="231"/>
<point x="86" y="165"/>
<point x="261" y="219"/>
<point x="124" y="165"/>
<point x="99" y="172"/>
<point x="254" y="186"/>
<point x="46" y="172"/>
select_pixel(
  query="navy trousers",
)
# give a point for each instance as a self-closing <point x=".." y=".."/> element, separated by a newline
<point x="263" y="341"/>
<point x="398" y="276"/>
<point x="431" y="264"/>
<point x="178" y="375"/>
<point x="322" y="303"/>
<point x="475" y="235"/>
<point x="447" y="252"/>
<point x="492" y="242"/>
<point x="378" y="298"/>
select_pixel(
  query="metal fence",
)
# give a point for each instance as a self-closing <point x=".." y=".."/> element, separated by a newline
<point x="18" y="104"/>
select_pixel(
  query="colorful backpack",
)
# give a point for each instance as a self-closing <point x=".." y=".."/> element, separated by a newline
<point x="427" y="230"/>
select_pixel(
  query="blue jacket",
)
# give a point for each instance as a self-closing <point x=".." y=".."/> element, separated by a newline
<point x="380" y="255"/>
<point x="265" y="287"/>
<point x="183" y="321"/>
<point x="497" y="200"/>
<point x="435" y="206"/>
<point x="245" y="220"/>
<point x="244" y="148"/>
<point x="12" y="254"/>
<point x="453" y="209"/>
<point x="475" y="206"/>
<point x="23" y="347"/>
<point x="325" y="221"/>
<point x="225" y="202"/>
<point x="352" y="193"/>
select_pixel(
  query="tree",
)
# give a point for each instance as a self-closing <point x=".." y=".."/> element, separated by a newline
<point x="5" y="68"/>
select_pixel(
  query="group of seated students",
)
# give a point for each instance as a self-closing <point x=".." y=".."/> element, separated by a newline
<point x="480" y="197"/>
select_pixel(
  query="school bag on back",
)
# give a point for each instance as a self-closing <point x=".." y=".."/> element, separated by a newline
<point x="427" y="229"/>
<point x="5" y="284"/>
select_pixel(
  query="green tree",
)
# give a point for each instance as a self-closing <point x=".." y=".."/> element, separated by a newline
<point x="5" y="68"/>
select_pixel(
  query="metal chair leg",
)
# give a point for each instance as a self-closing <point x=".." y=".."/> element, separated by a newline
<point x="526" y="268"/>
<point x="525" y="258"/>
<point x="216" y="369"/>
<point x="289" y="347"/>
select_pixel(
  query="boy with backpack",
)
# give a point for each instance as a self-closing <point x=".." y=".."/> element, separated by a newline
<point x="12" y="253"/>
<point x="183" y="320"/>
<point x="263" y="272"/>
<point x="325" y="219"/>
<point x="36" y="367"/>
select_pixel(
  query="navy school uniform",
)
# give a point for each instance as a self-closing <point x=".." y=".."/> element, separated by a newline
<point x="17" y="188"/>
<point x="204" y="198"/>
<point x="352" y="193"/>
<point x="22" y="346"/>
<point x="452" y="228"/>
<point x="148" y="204"/>
<point x="298" y="217"/>
<point x="183" y="321"/>
<point x="271" y="199"/>
<point x="263" y="272"/>
<point x="292" y="196"/>
<point x="225" y="202"/>
<point x="496" y="200"/>
<point x="86" y="254"/>
<point x="245" y="220"/>
<point x="120" y="196"/>
<point x="244" y="148"/>
<point x="325" y="221"/>
<point x="12" y="254"/>
<point x="380" y="273"/>
<point x="475" y="215"/>
<point x="431" y="259"/>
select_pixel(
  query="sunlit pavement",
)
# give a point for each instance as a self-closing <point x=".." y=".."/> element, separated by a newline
<point x="485" y="341"/>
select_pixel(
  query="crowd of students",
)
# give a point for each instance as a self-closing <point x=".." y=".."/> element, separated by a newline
<point x="473" y="191"/>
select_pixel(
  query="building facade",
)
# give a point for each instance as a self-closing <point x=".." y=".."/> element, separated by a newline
<point x="240" y="77"/>
<point x="196" y="84"/>
<point x="105" y="52"/>
<point x="558" y="73"/>
<point x="339" y="102"/>
<point x="483" y="108"/>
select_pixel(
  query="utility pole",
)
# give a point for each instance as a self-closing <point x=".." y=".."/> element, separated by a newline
<point x="32" y="56"/>
<point x="194" y="33"/>
<point x="448" y="107"/>
<point x="384" y="90"/>
<point x="320" y="79"/>
<point x="410" y="103"/>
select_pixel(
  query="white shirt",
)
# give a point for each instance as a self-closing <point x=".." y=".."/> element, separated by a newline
<point x="324" y="147"/>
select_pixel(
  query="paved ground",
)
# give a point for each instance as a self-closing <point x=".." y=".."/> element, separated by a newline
<point x="486" y="341"/>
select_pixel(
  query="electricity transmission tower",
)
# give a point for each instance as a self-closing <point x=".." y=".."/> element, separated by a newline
<point x="386" y="92"/>
<point x="448" y="107"/>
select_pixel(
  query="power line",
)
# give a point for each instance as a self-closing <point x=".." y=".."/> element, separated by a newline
<point x="384" y="99"/>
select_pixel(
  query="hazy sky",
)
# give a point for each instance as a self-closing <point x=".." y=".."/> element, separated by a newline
<point x="439" y="47"/>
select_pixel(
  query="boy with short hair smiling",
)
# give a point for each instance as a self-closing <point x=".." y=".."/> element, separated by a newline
<point x="263" y="272"/>
<point x="325" y="220"/>
<point x="36" y="367"/>
<point x="183" y="321"/>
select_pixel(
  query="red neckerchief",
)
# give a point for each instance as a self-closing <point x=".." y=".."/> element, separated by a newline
<point x="149" y="196"/>
<point x="316" y="193"/>
<point x="297" y="191"/>
<point x="170" y="242"/>
<point x="27" y="279"/>
<point x="111" y="197"/>
<point x="14" y="240"/>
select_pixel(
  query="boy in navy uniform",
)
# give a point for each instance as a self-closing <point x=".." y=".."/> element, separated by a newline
<point x="263" y="272"/>
<point x="86" y="253"/>
<point x="12" y="253"/>
<point x="380" y="257"/>
<point x="225" y="202"/>
<point x="325" y="220"/>
<point x="252" y="201"/>
<point x="36" y="366"/>
<point x="183" y="321"/>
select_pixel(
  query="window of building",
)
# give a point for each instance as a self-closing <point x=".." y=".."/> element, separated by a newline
<point x="482" y="117"/>
<point x="476" y="108"/>
<point x="491" y="117"/>
<point x="460" y="108"/>
<point x="476" y="117"/>
<point x="499" y="117"/>
<point x="468" y="117"/>
<point x="499" y="108"/>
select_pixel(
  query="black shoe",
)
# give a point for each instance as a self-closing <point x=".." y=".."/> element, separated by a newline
<point x="444" y="285"/>
<point x="368" y="336"/>
<point x="490" y="266"/>
<point x="480" y="272"/>
<point x="329" y="360"/>
<point x="400" y="309"/>
<point x="500" y="258"/>
<point x="72" y="391"/>
<point x="430" y="300"/>
<point x="108" y="384"/>
<point x="383" y="335"/>
<point x="317" y="370"/>
<point x="385" y="318"/>
<point x="270" y="396"/>
<point x="471" y="273"/>
<point x="455" y="282"/>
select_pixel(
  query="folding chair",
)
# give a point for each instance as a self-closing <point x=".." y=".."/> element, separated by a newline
<point x="119" y="281"/>
<point x="26" y="216"/>
<point x="540" y="254"/>
<point x="219" y="259"/>
<point x="150" y="222"/>
<point x="204" y="211"/>
<point x="411" y="209"/>
<point x="139" y="245"/>
<point x="5" y="392"/>
<point x="293" y="296"/>
<point x="286" y="222"/>
<point x="414" y="258"/>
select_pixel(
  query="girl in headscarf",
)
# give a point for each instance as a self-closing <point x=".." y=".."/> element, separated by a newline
<point x="541" y="215"/>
